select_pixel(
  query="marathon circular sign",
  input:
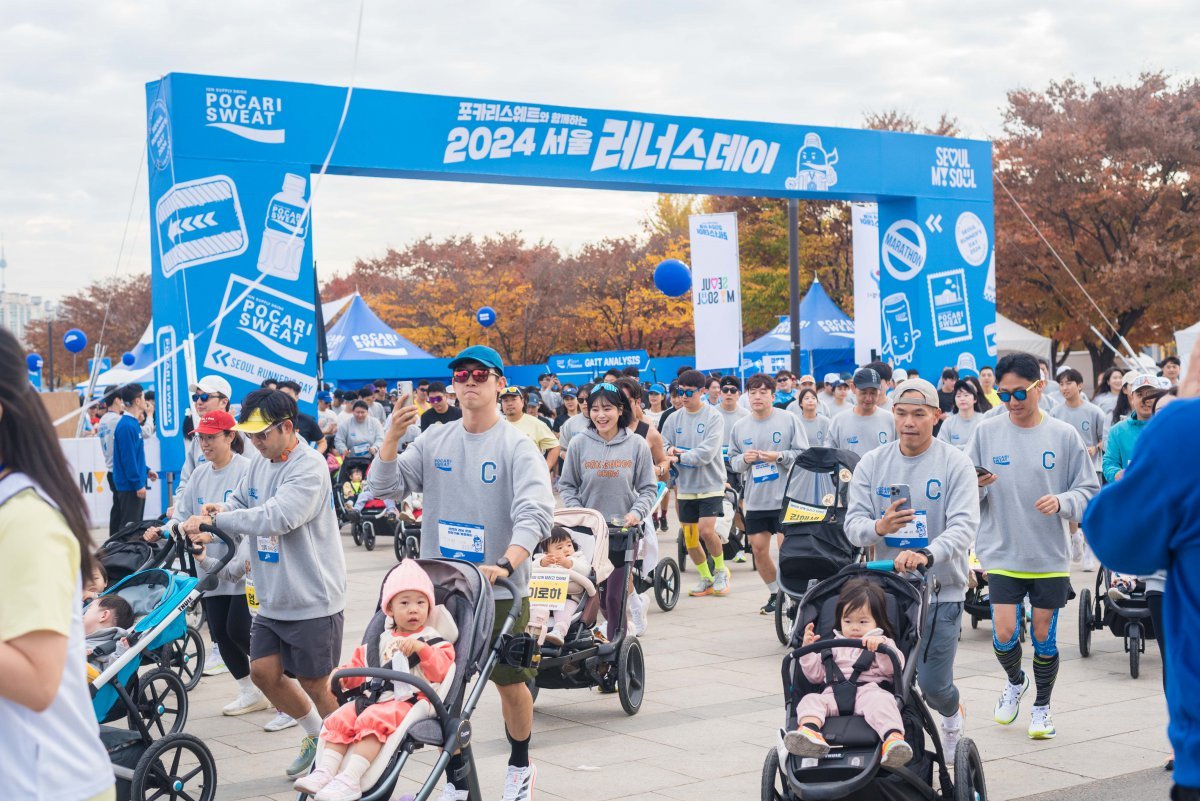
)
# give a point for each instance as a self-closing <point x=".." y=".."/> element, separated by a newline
<point x="903" y="250"/>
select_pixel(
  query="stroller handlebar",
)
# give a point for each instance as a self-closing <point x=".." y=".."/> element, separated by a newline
<point x="211" y="580"/>
<point x="385" y="674"/>
<point x="846" y="642"/>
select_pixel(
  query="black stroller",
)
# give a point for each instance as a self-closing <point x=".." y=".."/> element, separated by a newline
<point x="852" y="770"/>
<point x="1127" y="618"/>
<point x="374" y="520"/>
<point x="584" y="659"/>
<point x="465" y="615"/>
<point x="814" y="544"/>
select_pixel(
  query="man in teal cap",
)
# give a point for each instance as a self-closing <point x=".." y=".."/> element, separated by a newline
<point x="488" y="501"/>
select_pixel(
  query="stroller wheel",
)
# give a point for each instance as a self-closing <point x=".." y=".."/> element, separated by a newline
<point x="631" y="675"/>
<point x="356" y="532"/>
<point x="1135" y="645"/>
<point x="412" y="545"/>
<point x="666" y="584"/>
<point x="161" y="703"/>
<point x="185" y="656"/>
<point x="398" y="543"/>
<point x="969" y="784"/>
<point x="176" y="767"/>
<point x="1085" y="623"/>
<point x="772" y="781"/>
<point x="196" y="616"/>
<point x="782" y="625"/>
<point x="368" y="536"/>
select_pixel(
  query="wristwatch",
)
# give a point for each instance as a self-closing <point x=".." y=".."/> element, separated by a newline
<point x="928" y="556"/>
<point x="505" y="565"/>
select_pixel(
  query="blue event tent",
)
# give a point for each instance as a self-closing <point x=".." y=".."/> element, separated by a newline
<point x="362" y="348"/>
<point x="826" y="340"/>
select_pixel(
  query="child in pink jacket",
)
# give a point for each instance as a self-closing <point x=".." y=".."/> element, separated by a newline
<point x="353" y="740"/>
<point x="862" y="614"/>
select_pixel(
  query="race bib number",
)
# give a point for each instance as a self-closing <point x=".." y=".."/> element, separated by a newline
<point x="362" y="449"/>
<point x="268" y="549"/>
<point x="251" y="596"/>
<point x="915" y="534"/>
<point x="764" y="471"/>
<point x="797" y="512"/>
<point x="461" y="541"/>
<point x="548" y="588"/>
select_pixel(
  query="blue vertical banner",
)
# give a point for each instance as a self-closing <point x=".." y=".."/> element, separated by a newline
<point x="231" y="253"/>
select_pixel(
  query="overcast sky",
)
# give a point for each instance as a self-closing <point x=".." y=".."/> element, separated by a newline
<point x="72" y="108"/>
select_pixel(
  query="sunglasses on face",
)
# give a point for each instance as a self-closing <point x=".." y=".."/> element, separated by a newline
<point x="730" y="390"/>
<point x="608" y="386"/>
<point x="1019" y="394"/>
<point x="478" y="376"/>
<point x="201" y="397"/>
<point x="435" y="399"/>
<point x="261" y="436"/>
<point x="685" y="393"/>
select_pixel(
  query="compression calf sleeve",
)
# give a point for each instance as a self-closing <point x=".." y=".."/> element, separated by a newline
<point x="1009" y="656"/>
<point x="1045" y="671"/>
<point x="519" y="757"/>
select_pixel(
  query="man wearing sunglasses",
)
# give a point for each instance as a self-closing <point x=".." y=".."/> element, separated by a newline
<point x="695" y="436"/>
<point x="730" y="408"/>
<point x="440" y="410"/>
<point x="284" y="508"/>
<point x="487" y="500"/>
<point x="1035" y="475"/>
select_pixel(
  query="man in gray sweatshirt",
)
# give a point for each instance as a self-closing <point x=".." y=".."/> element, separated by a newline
<point x="762" y="447"/>
<point x="488" y="501"/>
<point x="284" y="507"/>
<point x="865" y="427"/>
<point x="1039" y="476"/>
<point x="694" y="436"/>
<point x="935" y="529"/>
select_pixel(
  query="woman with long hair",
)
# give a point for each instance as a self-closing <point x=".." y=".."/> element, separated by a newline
<point x="1108" y="389"/>
<point x="52" y="742"/>
<point x="969" y="406"/>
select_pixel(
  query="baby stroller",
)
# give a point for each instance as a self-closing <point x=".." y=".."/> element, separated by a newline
<point x="1128" y="619"/>
<point x="375" y="519"/>
<point x="814" y="543"/>
<point x="852" y="769"/>
<point x="407" y="541"/>
<point x="977" y="605"/>
<point x="127" y="553"/>
<point x="584" y="659"/>
<point x="152" y="758"/>
<point x="464" y="616"/>
<point x="342" y="505"/>
<point x="664" y="578"/>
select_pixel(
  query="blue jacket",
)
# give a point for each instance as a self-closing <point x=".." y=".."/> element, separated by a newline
<point x="129" y="455"/>
<point x="1118" y="448"/>
<point x="1148" y="521"/>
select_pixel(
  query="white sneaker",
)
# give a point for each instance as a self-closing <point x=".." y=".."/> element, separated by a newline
<point x="451" y="793"/>
<point x="246" y="702"/>
<point x="1041" y="725"/>
<point x="518" y="784"/>
<point x="556" y="635"/>
<point x="721" y="582"/>
<point x="1009" y="704"/>
<point x="1077" y="546"/>
<point x="214" y="665"/>
<point x="952" y="729"/>
<point x="281" y="721"/>
<point x="637" y="614"/>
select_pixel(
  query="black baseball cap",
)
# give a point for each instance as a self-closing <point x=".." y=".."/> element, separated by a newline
<point x="866" y="378"/>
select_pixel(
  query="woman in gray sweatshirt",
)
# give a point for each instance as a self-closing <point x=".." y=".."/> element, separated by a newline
<point x="610" y="470"/>
<point x="361" y="435"/>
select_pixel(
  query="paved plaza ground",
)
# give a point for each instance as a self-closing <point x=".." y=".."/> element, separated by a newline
<point x="713" y="707"/>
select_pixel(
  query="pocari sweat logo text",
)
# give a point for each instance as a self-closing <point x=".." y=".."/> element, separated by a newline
<point x="253" y="117"/>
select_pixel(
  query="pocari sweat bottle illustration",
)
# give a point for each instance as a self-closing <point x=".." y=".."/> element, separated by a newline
<point x="284" y="234"/>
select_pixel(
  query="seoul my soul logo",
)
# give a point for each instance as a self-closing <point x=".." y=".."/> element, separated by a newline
<point x="716" y="289"/>
<point x="250" y="116"/>
<point x="952" y="167"/>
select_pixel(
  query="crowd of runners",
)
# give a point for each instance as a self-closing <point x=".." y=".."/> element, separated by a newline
<point x="999" y="466"/>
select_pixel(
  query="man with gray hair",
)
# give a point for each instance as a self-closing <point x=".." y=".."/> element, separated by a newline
<point x="934" y="528"/>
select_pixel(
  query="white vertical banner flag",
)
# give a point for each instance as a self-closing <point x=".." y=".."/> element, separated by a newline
<point x="865" y="220"/>
<point x="716" y="291"/>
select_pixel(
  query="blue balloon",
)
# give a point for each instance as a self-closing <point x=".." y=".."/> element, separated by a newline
<point x="74" y="340"/>
<point x="486" y="316"/>
<point x="673" y="278"/>
<point x="33" y="362"/>
<point x="128" y="359"/>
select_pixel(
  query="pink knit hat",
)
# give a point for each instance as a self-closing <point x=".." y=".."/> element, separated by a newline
<point x="407" y="575"/>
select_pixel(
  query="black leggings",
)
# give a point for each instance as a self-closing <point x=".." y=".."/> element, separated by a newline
<point x="229" y="624"/>
<point x="1154" y="600"/>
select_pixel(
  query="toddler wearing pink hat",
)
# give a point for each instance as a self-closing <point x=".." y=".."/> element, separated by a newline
<point x="353" y="740"/>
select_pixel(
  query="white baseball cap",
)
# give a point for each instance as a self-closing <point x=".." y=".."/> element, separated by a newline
<point x="899" y="374"/>
<point x="212" y="384"/>
<point x="1141" y="381"/>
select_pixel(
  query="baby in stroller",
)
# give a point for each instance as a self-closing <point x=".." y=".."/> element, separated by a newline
<point x="355" y="734"/>
<point x="561" y="551"/>
<point x="106" y="623"/>
<point x="861" y="612"/>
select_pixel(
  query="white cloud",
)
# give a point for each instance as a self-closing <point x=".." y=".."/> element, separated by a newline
<point x="72" y="77"/>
